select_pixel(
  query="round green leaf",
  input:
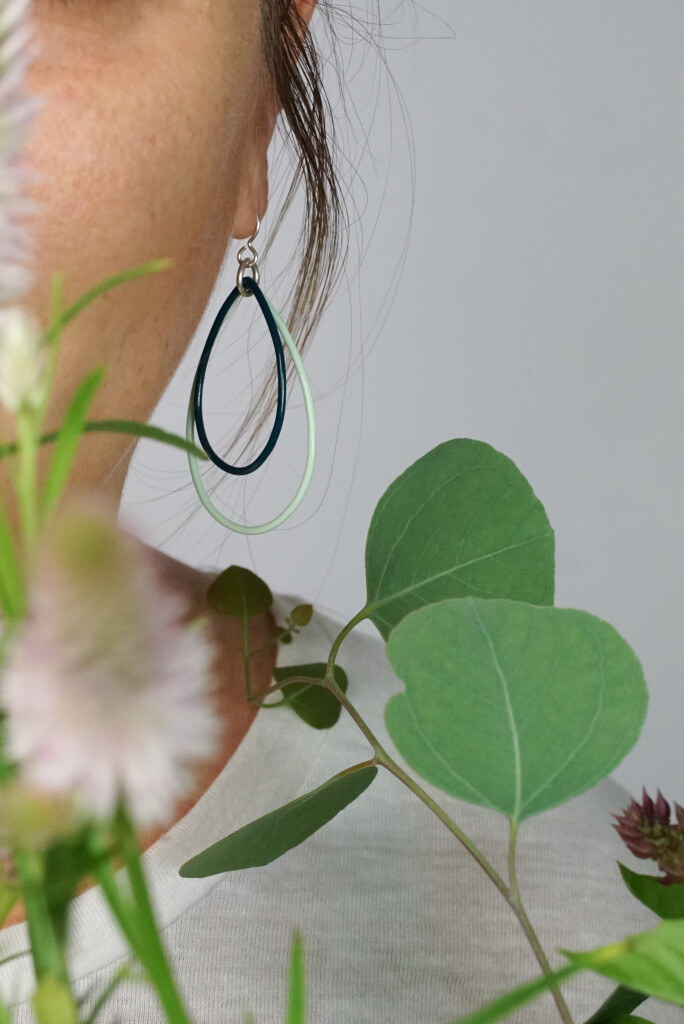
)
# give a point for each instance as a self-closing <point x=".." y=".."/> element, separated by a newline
<point x="238" y="591"/>
<point x="301" y="615"/>
<point x="317" y="706"/>
<point x="460" y="521"/>
<point x="510" y="705"/>
<point x="272" y="835"/>
<point x="667" y="901"/>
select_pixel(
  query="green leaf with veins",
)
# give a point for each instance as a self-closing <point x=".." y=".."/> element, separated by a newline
<point x="667" y="901"/>
<point x="239" y="592"/>
<point x="316" y="705"/>
<point x="461" y="521"/>
<point x="511" y="705"/>
<point x="272" y="835"/>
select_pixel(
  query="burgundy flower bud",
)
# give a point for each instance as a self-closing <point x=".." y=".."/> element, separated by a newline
<point x="646" y="805"/>
<point x="679" y="812"/>
<point x="662" y="810"/>
<point x="639" y="846"/>
<point x="647" y="832"/>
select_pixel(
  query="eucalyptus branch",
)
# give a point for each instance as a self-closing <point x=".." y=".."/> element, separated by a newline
<point x="384" y="759"/>
<point x="510" y="894"/>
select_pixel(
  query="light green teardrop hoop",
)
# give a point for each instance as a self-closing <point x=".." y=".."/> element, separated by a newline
<point x="310" y="454"/>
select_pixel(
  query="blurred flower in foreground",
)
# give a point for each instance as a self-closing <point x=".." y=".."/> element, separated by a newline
<point x="106" y="690"/>
<point x="17" y="110"/>
<point x="646" y="831"/>
<point x="23" y="359"/>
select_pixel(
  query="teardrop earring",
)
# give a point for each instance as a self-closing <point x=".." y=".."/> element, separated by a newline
<point x="247" y="286"/>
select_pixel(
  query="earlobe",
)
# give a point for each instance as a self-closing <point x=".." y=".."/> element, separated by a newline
<point x="254" y="192"/>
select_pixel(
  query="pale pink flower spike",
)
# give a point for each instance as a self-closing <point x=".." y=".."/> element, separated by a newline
<point x="105" y="689"/>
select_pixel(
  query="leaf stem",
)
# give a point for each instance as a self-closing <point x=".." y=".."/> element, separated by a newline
<point x="359" y="617"/>
<point x="26" y="484"/>
<point x="516" y="903"/>
<point x="48" y="956"/>
<point x="150" y="944"/>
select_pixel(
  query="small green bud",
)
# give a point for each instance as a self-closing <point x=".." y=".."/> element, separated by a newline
<point x="53" y="1002"/>
<point x="301" y="615"/>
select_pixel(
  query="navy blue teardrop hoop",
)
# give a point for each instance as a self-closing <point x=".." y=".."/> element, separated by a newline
<point x="254" y="289"/>
<point x="246" y="287"/>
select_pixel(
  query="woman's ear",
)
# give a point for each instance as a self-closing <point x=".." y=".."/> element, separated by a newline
<point x="254" y="193"/>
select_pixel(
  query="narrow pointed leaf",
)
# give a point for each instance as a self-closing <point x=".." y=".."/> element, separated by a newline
<point x="667" y="901"/>
<point x="317" y="706"/>
<point x="626" y="1018"/>
<point x="619" y="1003"/>
<point x="510" y="705"/>
<point x="11" y="595"/>
<point x="460" y="521"/>
<point x="68" y="438"/>
<point x="122" y="427"/>
<point x="272" y="835"/>
<point x="141" y="270"/>
<point x="296" y="999"/>
<point x="8" y="898"/>
<point x="504" y="1006"/>
<point x="240" y="592"/>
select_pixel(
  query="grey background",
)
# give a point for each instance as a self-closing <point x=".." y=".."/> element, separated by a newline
<point x="540" y="308"/>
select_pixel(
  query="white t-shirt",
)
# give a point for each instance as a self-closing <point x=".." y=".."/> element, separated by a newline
<point x="400" y="925"/>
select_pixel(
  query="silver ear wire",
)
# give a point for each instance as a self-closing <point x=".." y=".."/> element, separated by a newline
<point x="248" y="258"/>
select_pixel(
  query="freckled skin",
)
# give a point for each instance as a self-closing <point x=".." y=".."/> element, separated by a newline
<point x="152" y="143"/>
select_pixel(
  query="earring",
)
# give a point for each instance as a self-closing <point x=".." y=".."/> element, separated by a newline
<point x="246" y="287"/>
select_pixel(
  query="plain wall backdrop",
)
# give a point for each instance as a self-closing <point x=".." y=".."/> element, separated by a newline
<point x="537" y="304"/>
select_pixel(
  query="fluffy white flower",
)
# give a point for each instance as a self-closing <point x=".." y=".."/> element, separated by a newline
<point x="23" y="359"/>
<point x="106" y="690"/>
<point x="17" y="113"/>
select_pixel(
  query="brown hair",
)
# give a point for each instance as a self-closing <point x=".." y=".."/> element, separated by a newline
<point x="294" y="69"/>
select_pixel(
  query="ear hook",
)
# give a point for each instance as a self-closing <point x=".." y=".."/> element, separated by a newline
<point x="248" y="258"/>
<point x="256" y="232"/>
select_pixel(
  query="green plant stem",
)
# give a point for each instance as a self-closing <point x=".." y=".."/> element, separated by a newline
<point x="119" y="908"/>
<point x="150" y="944"/>
<point x="384" y="759"/>
<point x="48" y="956"/>
<point x="344" y="632"/>
<point x="26" y="484"/>
<point x="276" y="639"/>
<point x="532" y="937"/>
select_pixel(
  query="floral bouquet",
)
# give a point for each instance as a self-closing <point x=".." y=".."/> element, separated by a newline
<point x="104" y="684"/>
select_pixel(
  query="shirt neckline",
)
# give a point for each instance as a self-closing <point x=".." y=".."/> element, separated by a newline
<point x="267" y="770"/>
